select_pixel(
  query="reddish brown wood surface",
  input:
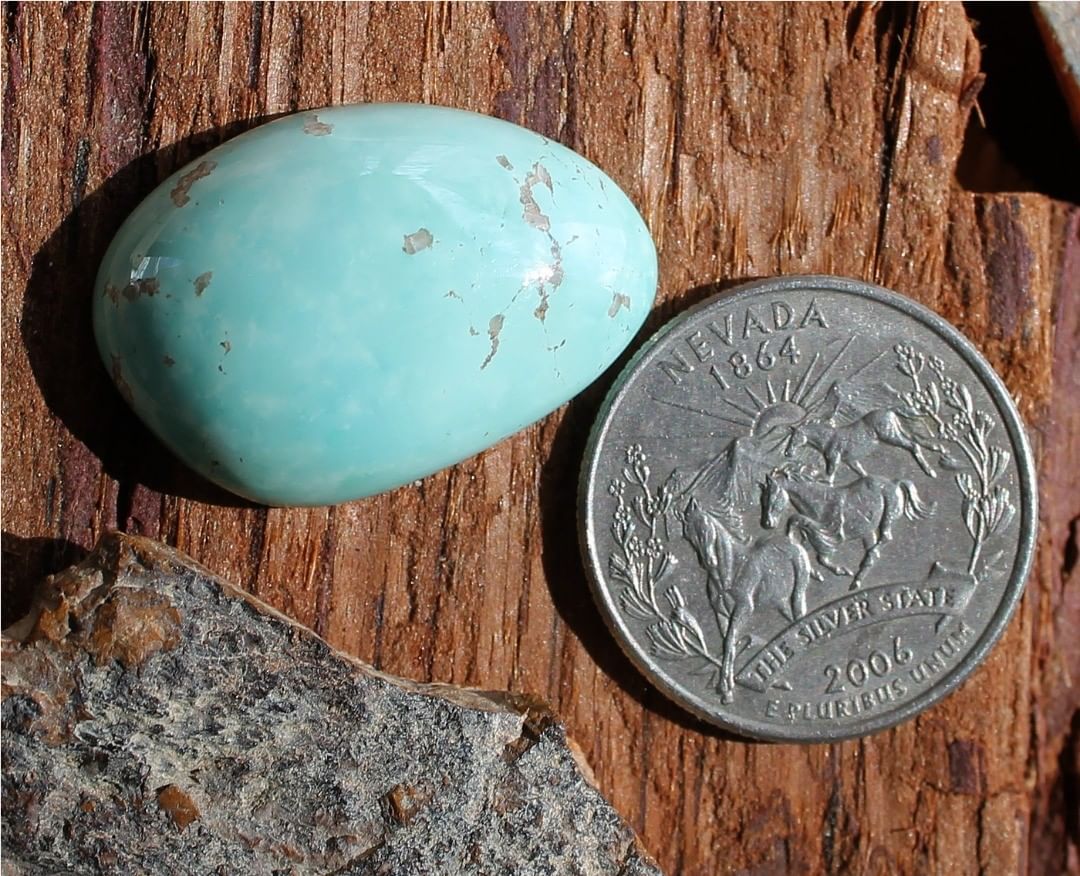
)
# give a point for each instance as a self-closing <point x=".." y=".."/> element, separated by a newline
<point x="755" y="139"/>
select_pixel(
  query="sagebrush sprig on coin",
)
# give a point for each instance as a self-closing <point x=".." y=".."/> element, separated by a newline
<point x="641" y="564"/>
<point x="987" y="507"/>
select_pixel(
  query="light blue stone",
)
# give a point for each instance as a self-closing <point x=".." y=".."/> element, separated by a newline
<point x="342" y="301"/>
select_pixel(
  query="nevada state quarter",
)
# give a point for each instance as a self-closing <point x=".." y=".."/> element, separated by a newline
<point x="808" y="509"/>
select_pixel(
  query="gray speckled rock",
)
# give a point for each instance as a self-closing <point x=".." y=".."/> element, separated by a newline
<point x="158" y="720"/>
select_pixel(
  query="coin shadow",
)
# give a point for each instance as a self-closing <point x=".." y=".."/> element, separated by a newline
<point x="56" y="331"/>
<point x="561" y="556"/>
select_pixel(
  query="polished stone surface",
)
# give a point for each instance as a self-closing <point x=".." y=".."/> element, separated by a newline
<point x="341" y="301"/>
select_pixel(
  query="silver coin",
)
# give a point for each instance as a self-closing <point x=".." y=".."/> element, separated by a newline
<point x="808" y="509"/>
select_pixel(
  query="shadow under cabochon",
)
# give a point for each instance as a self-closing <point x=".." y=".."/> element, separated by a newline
<point x="341" y="301"/>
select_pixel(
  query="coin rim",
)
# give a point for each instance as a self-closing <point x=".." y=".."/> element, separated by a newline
<point x="1028" y="503"/>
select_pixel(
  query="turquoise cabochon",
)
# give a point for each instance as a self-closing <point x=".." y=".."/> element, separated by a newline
<point x="342" y="301"/>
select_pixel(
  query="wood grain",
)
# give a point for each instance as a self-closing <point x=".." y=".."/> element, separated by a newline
<point x="755" y="139"/>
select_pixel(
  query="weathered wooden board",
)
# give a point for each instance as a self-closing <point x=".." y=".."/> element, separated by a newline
<point x="755" y="139"/>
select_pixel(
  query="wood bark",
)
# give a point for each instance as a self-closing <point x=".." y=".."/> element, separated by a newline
<point x="755" y="140"/>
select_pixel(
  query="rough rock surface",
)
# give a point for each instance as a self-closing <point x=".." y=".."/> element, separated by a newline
<point x="158" y="720"/>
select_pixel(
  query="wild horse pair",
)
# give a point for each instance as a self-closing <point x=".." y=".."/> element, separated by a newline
<point x="775" y="569"/>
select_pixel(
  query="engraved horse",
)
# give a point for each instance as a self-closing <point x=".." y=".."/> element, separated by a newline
<point x="851" y="443"/>
<point x="830" y="516"/>
<point x="773" y="572"/>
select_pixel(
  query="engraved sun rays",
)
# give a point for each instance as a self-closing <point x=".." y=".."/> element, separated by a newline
<point x="803" y="394"/>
